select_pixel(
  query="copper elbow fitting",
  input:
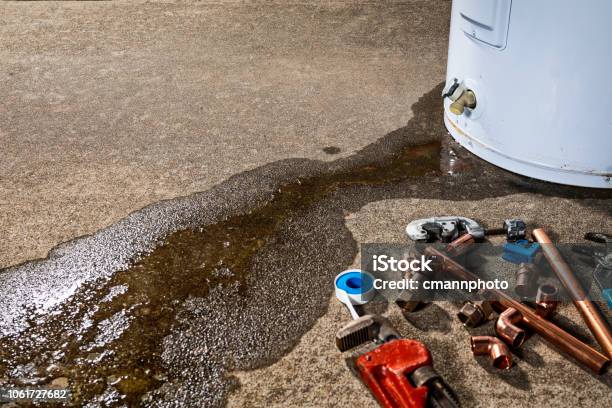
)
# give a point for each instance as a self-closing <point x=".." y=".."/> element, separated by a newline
<point x="506" y="328"/>
<point x="495" y="348"/>
<point x="546" y="300"/>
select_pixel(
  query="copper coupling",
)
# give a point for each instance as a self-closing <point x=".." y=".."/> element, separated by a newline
<point x="546" y="300"/>
<point x="526" y="277"/>
<point x="506" y="328"/>
<point x="496" y="349"/>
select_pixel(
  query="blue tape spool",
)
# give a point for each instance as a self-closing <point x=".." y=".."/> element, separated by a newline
<point x="354" y="282"/>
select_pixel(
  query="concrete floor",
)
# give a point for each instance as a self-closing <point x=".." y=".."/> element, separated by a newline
<point x="315" y="374"/>
<point x="108" y="107"/>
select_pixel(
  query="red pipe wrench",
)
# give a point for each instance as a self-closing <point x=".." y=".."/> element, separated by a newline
<point x="386" y="371"/>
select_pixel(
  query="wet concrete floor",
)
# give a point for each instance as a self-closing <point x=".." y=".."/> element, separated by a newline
<point x="157" y="308"/>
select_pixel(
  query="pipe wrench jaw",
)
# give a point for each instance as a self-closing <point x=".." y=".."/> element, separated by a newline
<point x="366" y="328"/>
<point x="387" y="371"/>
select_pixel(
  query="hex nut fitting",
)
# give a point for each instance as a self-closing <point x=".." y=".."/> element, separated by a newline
<point x="407" y="302"/>
<point x="410" y="299"/>
<point x="474" y="313"/>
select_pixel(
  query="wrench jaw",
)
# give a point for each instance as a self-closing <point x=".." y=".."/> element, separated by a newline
<point x="366" y="328"/>
<point x="386" y="371"/>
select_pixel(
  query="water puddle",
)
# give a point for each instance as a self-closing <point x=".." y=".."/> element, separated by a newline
<point x="235" y="293"/>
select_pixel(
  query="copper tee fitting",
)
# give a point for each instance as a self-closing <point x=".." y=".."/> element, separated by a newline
<point x="495" y="348"/>
<point x="506" y="327"/>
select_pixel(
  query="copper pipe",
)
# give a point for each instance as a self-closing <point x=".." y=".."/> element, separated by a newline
<point x="495" y="348"/>
<point x="591" y="315"/>
<point x="506" y="328"/>
<point x="461" y="245"/>
<point x="546" y="300"/>
<point x="564" y="341"/>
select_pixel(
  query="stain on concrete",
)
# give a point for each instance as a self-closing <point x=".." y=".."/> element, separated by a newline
<point x="332" y="150"/>
<point x="157" y="308"/>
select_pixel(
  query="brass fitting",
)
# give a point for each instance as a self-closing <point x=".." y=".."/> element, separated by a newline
<point x="474" y="313"/>
<point x="466" y="100"/>
<point x="495" y="348"/>
<point x="506" y="328"/>
<point x="410" y="300"/>
<point x="546" y="300"/>
<point x="526" y="276"/>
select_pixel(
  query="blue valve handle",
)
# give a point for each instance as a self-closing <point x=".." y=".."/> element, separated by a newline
<point x="603" y="278"/>
<point x="520" y="251"/>
<point x="607" y="295"/>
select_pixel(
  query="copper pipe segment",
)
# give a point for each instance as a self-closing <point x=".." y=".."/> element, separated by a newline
<point x="562" y="340"/>
<point x="506" y="328"/>
<point x="461" y="245"/>
<point x="591" y="315"/>
<point x="496" y="349"/>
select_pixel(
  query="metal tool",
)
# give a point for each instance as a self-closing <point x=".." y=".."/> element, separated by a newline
<point x="448" y="228"/>
<point x="445" y="229"/>
<point x="355" y="287"/>
<point x="515" y="229"/>
<point x="398" y="372"/>
<point x="400" y="375"/>
<point x="366" y="328"/>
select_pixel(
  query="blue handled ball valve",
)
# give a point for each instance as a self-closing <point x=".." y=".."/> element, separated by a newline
<point x="520" y="251"/>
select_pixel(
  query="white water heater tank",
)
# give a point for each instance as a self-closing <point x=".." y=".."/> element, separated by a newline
<point x="529" y="86"/>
